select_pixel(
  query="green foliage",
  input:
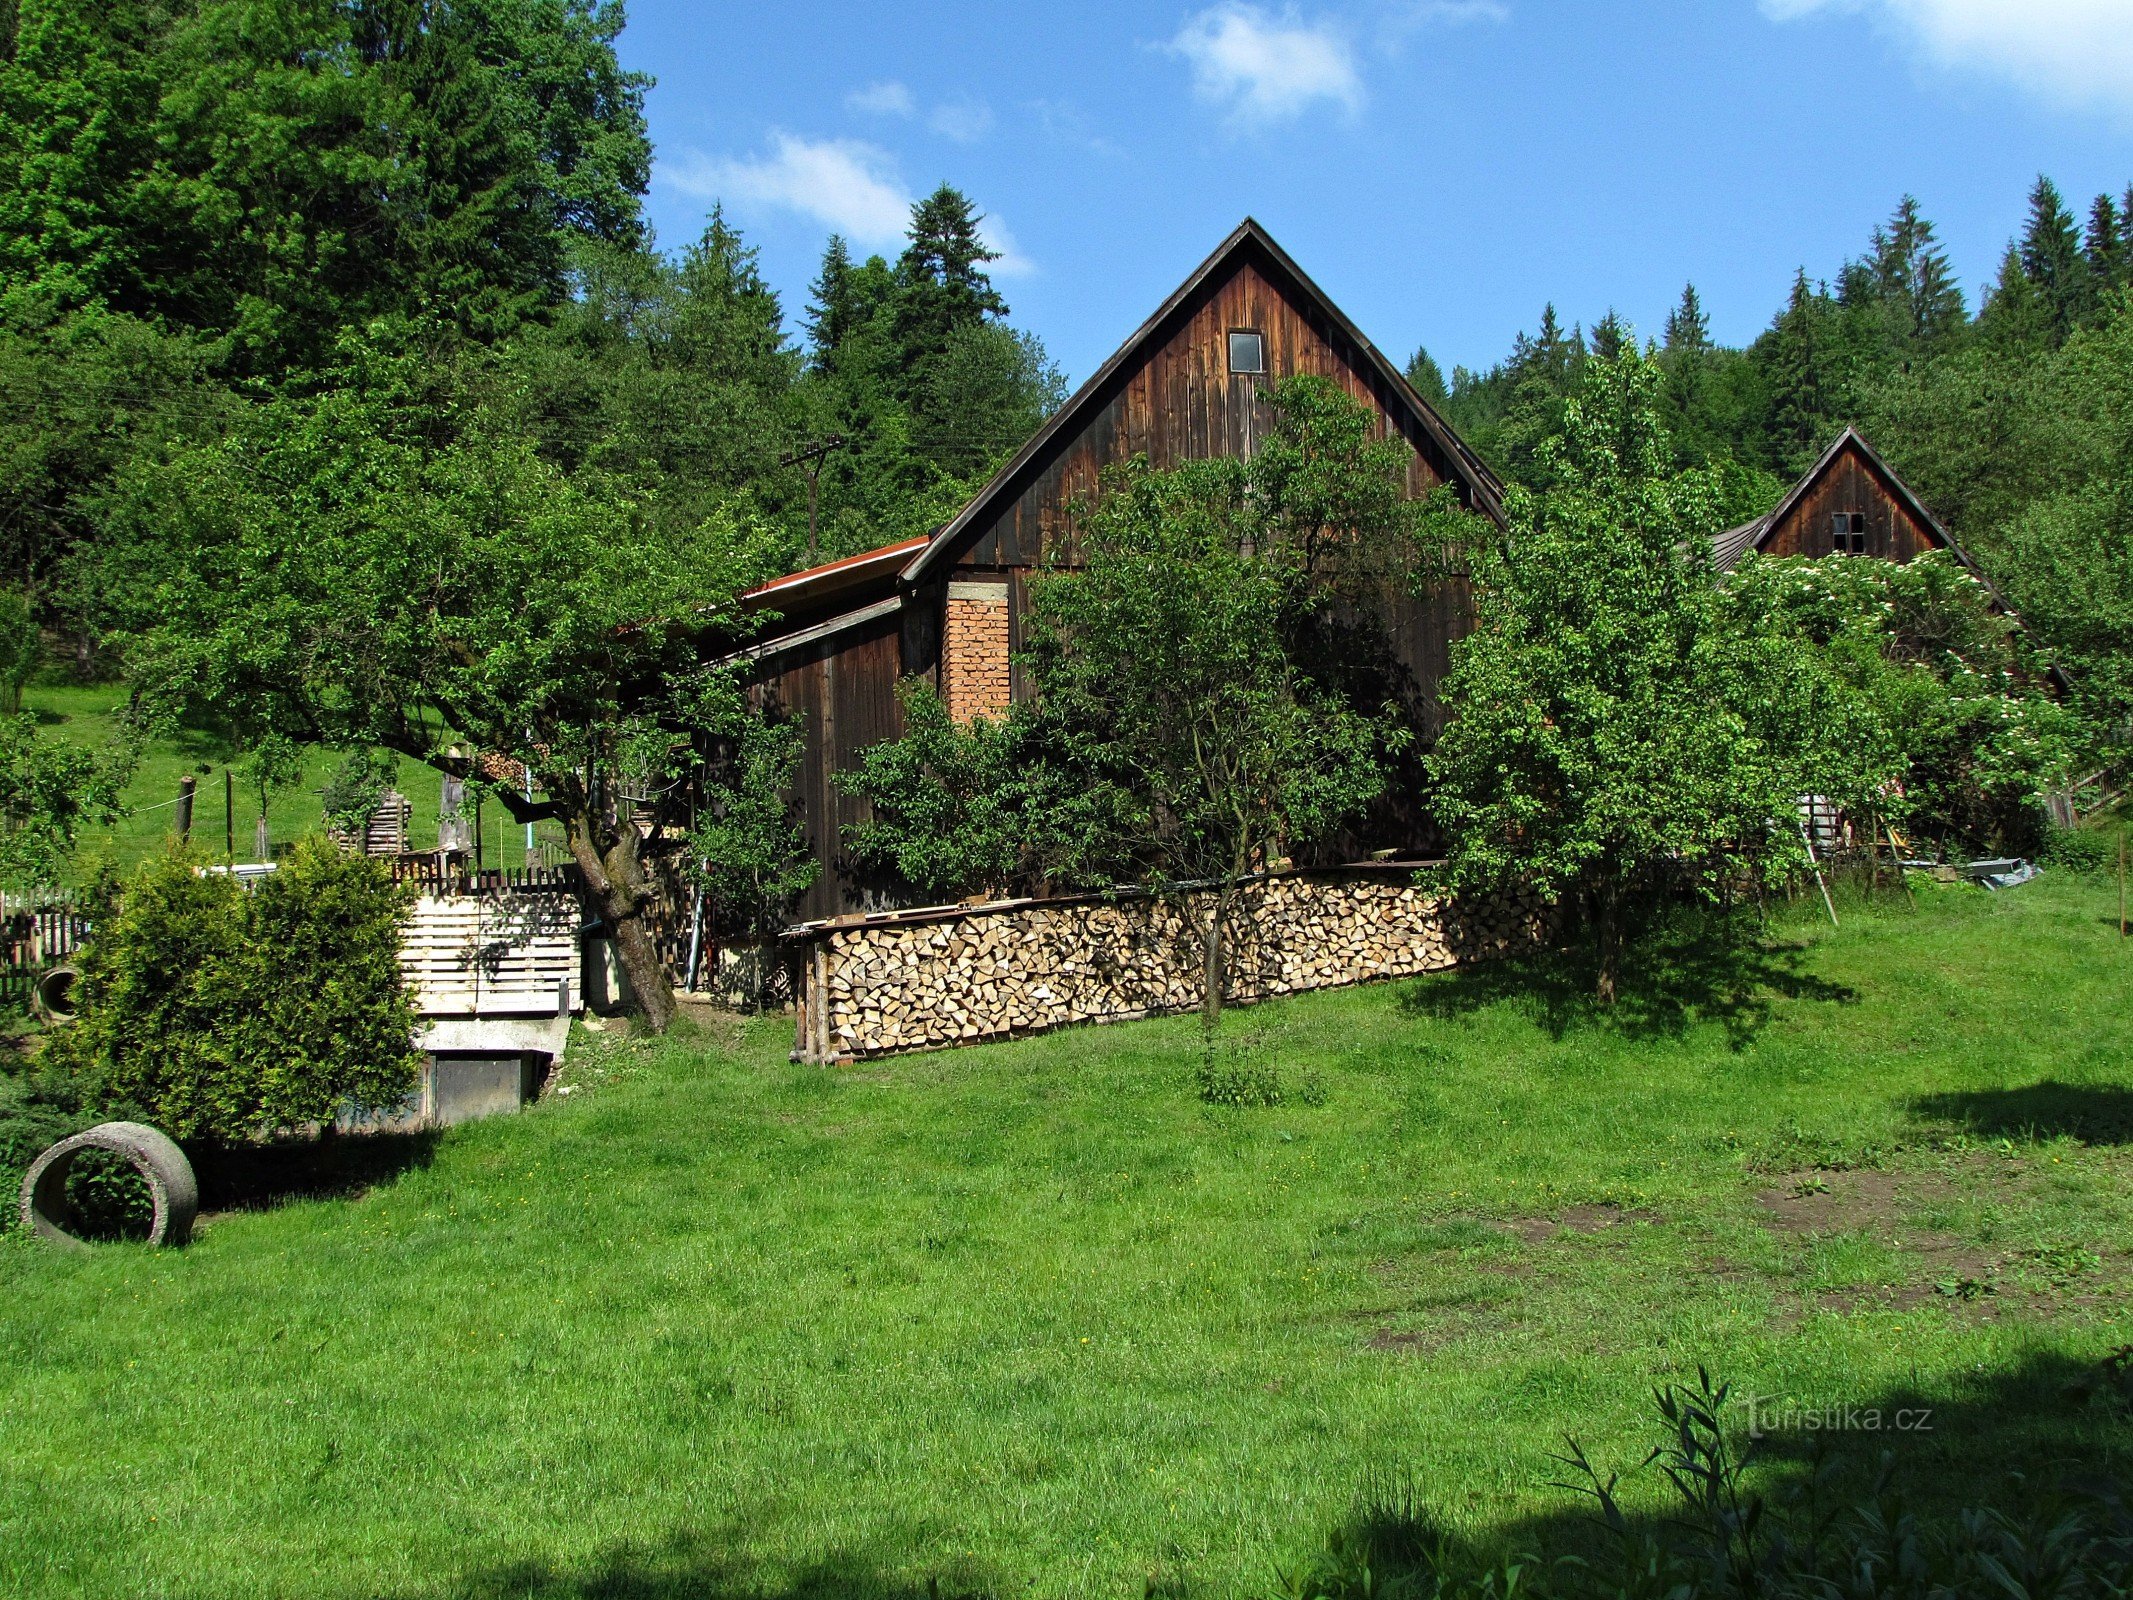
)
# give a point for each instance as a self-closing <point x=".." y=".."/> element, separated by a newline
<point x="1174" y="643"/>
<point x="50" y="789"/>
<point x="913" y="366"/>
<point x="1236" y="1073"/>
<point x="748" y="851"/>
<point x="997" y="805"/>
<point x="274" y="763"/>
<point x="354" y="788"/>
<point x="1938" y="680"/>
<point x="221" y="1014"/>
<point x="1619" y="732"/>
<point x="20" y="649"/>
<point x="269" y="174"/>
<point x="671" y="378"/>
<point x="2083" y="850"/>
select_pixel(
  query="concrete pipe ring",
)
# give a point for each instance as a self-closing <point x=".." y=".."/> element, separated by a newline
<point x="151" y="1153"/>
<point x="55" y="994"/>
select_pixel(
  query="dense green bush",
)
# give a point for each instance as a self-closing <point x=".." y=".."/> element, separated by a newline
<point x="2081" y="849"/>
<point x="217" y="1013"/>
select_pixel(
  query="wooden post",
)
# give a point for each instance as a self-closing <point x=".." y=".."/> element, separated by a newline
<point x="186" y="786"/>
<point x="1815" y="864"/>
<point x="1896" y="855"/>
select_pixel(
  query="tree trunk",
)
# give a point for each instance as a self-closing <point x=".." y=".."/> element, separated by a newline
<point x="1212" y="975"/>
<point x="616" y="893"/>
<point x="1608" y="914"/>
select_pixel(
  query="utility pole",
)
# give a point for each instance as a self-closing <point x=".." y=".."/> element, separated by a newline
<point x="811" y="457"/>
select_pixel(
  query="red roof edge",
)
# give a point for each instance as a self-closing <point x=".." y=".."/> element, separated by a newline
<point x="796" y="584"/>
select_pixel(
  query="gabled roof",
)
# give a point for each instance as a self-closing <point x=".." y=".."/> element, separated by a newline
<point x="1249" y="240"/>
<point x="1727" y="548"/>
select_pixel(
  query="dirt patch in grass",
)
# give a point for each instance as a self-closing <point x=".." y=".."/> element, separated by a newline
<point x="1879" y="1200"/>
<point x="1941" y="1268"/>
<point x="1572" y="1219"/>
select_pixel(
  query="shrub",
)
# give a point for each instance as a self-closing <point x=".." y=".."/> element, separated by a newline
<point x="217" y="1014"/>
<point x="2081" y="849"/>
<point x="1232" y="1075"/>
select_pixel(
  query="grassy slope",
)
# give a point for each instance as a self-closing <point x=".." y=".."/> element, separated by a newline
<point x="1031" y="1317"/>
<point x="86" y="714"/>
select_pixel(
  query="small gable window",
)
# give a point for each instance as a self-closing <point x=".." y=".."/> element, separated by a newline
<point x="1847" y="533"/>
<point x="1247" y="350"/>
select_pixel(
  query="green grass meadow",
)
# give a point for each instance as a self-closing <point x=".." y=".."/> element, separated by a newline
<point x="1034" y="1319"/>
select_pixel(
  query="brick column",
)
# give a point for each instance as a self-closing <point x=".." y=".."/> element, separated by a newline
<point x="974" y="648"/>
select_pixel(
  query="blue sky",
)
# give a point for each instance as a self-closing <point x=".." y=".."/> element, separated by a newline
<point x="1442" y="167"/>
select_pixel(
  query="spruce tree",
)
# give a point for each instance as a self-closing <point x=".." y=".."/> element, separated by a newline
<point x="1687" y="328"/>
<point x="2015" y="319"/>
<point x="941" y="281"/>
<point x="831" y="309"/>
<point x="1800" y="372"/>
<point x="2105" y="244"/>
<point x="2052" y="261"/>
<point x="1912" y="282"/>
<point x="1427" y="378"/>
<point x="1609" y="335"/>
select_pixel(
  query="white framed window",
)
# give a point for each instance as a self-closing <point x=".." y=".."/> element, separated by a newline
<point x="1247" y="351"/>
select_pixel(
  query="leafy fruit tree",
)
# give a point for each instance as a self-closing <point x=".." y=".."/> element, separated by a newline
<point x="222" y="1013"/>
<point x="373" y="566"/>
<point x="1618" y="734"/>
<point x="1172" y="644"/>
<point x="50" y="789"/>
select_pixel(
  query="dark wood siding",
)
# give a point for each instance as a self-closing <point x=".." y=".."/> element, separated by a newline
<point x="1182" y="403"/>
<point x="844" y="690"/>
<point x="1851" y="483"/>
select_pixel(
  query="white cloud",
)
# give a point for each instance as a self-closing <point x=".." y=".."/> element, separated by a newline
<point x="2069" y="51"/>
<point x="1012" y="263"/>
<point x="886" y="99"/>
<point x="961" y="120"/>
<point x="1417" y="13"/>
<point x="849" y="185"/>
<point x="1261" y="68"/>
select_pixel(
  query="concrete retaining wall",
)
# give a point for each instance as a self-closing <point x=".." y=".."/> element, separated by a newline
<point x="927" y="980"/>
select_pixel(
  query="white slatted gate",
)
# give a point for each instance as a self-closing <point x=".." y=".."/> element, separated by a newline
<point x="494" y="954"/>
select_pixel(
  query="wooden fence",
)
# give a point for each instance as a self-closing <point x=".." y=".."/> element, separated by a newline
<point x="37" y="933"/>
<point x="441" y="875"/>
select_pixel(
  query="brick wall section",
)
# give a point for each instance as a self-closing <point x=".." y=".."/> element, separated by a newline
<point x="1021" y="967"/>
<point x="974" y="649"/>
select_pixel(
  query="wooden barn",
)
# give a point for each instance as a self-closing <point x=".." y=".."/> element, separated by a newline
<point x="950" y="607"/>
<point x="1849" y="503"/>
